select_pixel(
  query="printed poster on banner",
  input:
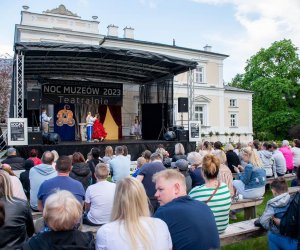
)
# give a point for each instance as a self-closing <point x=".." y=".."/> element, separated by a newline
<point x="17" y="132"/>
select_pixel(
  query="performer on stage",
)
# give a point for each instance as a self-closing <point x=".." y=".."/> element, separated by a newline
<point x="89" y="126"/>
<point x="98" y="129"/>
<point x="45" y="119"/>
<point x="136" y="128"/>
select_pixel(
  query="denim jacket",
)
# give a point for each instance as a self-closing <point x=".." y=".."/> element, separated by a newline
<point x="253" y="177"/>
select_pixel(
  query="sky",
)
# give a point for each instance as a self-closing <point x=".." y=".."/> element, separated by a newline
<point x="238" y="28"/>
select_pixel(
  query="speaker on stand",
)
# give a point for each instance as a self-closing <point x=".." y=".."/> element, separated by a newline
<point x="183" y="107"/>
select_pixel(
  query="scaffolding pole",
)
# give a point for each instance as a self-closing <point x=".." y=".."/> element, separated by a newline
<point x="19" y="87"/>
<point x="191" y="94"/>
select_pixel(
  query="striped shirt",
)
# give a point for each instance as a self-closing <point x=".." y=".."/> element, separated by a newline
<point x="219" y="204"/>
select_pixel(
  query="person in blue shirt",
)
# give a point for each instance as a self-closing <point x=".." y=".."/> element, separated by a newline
<point x="62" y="182"/>
<point x="191" y="223"/>
<point x="251" y="179"/>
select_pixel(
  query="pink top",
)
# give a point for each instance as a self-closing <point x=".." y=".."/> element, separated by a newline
<point x="288" y="155"/>
<point x="35" y="160"/>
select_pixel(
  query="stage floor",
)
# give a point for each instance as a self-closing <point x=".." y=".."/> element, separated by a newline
<point x="135" y="147"/>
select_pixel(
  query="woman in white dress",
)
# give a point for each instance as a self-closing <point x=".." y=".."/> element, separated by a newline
<point x="132" y="227"/>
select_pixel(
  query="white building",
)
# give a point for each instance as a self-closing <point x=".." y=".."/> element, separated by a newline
<point x="225" y="112"/>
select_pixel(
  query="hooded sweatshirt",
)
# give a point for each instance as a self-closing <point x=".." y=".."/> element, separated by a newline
<point x="82" y="173"/>
<point x="275" y="207"/>
<point x="266" y="158"/>
<point x="37" y="175"/>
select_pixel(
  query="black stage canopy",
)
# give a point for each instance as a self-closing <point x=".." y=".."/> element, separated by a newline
<point x="96" y="63"/>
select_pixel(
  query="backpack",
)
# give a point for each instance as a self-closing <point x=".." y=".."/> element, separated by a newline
<point x="289" y="221"/>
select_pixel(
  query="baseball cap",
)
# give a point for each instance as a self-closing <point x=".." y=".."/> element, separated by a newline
<point x="181" y="164"/>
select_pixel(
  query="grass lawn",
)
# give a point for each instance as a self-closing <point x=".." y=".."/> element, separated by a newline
<point x="260" y="243"/>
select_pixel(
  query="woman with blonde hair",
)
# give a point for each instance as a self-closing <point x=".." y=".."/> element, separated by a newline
<point x="225" y="174"/>
<point x="132" y="227"/>
<point x="214" y="192"/>
<point x="62" y="214"/>
<point x="18" y="224"/>
<point x="179" y="152"/>
<point x="109" y="154"/>
<point x="251" y="179"/>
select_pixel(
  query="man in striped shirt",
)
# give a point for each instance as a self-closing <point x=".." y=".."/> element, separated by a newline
<point x="214" y="193"/>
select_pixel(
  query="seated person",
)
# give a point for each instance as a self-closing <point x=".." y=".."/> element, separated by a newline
<point x="24" y="177"/>
<point x="252" y="180"/>
<point x="62" y="214"/>
<point x="276" y="208"/>
<point x="33" y="155"/>
<point x="16" y="162"/>
<point x="62" y="181"/>
<point x="18" y="224"/>
<point x="214" y="192"/>
<point x="139" y="163"/>
<point x="99" y="198"/>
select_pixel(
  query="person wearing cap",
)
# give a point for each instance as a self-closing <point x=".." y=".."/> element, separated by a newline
<point x="24" y="177"/>
<point x="16" y="162"/>
<point x="182" y="166"/>
<point x="145" y="176"/>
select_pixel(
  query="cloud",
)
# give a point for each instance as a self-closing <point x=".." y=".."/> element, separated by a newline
<point x="152" y="4"/>
<point x="262" y="23"/>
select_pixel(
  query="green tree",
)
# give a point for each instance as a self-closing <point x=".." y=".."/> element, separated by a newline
<point x="273" y="75"/>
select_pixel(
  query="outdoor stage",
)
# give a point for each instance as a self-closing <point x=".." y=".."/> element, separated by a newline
<point x="135" y="147"/>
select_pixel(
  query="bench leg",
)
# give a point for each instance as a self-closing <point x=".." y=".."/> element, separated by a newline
<point x="249" y="213"/>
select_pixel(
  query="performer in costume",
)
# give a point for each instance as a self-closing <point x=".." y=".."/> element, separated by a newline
<point x="45" y="119"/>
<point x="89" y="126"/>
<point x="98" y="129"/>
<point x="136" y="128"/>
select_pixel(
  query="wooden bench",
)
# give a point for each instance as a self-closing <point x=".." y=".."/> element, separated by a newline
<point x="240" y="231"/>
<point x="249" y="206"/>
<point x="287" y="177"/>
<point x="245" y="229"/>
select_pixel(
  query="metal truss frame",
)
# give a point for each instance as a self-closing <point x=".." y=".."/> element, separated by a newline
<point x="19" y="87"/>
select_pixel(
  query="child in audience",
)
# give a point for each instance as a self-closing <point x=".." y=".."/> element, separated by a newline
<point x="275" y="209"/>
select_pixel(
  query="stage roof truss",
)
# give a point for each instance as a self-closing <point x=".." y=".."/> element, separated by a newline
<point x="47" y="60"/>
<point x="50" y="62"/>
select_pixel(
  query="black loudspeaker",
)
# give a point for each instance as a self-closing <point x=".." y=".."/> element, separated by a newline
<point x="51" y="138"/>
<point x="170" y="136"/>
<point x="183" y="105"/>
<point x="35" y="138"/>
<point x="153" y="116"/>
<point x="33" y="100"/>
<point x="182" y="135"/>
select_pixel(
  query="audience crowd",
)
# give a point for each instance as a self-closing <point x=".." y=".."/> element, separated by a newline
<point x="168" y="201"/>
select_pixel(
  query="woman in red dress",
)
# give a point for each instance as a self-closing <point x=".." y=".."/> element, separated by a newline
<point x="98" y="130"/>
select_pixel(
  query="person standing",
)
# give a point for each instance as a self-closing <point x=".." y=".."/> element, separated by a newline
<point x="45" y="119"/>
<point x="89" y="126"/>
<point x="98" y="129"/>
<point x="288" y="155"/>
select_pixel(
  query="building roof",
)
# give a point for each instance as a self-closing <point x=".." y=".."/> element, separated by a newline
<point x="97" y="63"/>
<point x="229" y="88"/>
<point x="162" y="45"/>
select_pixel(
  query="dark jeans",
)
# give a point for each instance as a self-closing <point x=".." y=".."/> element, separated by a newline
<point x="86" y="221"/>
<point x="280" y="174"/>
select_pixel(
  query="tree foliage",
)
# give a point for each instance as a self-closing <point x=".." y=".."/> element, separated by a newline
<point x="273" y="75"/>
<point x="5" y="84"/>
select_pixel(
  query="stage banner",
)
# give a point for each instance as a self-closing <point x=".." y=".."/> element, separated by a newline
<point x="64" y="121"/>
<point x="82" y="93"/>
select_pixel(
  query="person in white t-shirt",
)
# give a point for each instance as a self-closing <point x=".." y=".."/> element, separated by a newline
<point x="131" y="226"/>
<point x="99" y="198"/>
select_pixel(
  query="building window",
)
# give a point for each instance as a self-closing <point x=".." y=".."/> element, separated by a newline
<point x="233" y="103"/>
<point x="199" y="113"/>
<point x="233" y="120"/>
<point x="199" y="74"/>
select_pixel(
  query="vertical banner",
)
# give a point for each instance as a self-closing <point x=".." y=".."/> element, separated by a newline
<point x="17" y="131"/>
<point x="64" y="121"/>
<point x="194" y="131"/>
